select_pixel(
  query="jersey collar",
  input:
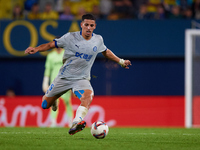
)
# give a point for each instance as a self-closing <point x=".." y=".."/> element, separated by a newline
<point x="81" y="33"/>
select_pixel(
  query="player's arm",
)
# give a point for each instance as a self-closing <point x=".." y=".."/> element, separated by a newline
<point x="41" y="48"/>
<point x="110" y="55"/>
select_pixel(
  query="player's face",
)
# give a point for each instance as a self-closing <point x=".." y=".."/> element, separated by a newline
<point x="88" y="27"/>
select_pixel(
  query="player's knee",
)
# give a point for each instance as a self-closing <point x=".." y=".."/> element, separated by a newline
<point x="86" y="100"/>
<point x="90" y="98"/>
<point x="44" y="104"/>
<point x="88" y="103"/>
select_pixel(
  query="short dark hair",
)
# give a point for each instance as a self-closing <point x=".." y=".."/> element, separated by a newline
<point x="88" y="16"/>
<point x="57" y="37"/>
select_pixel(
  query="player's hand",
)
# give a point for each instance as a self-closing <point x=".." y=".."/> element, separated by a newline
<point x="127" y="63"/>
<point x="30" y="50"/>
<point x="124" y="63"/>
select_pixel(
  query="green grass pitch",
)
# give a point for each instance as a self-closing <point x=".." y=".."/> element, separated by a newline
<point x="117" y="139"/>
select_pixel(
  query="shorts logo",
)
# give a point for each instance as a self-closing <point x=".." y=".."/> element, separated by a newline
<point x="95" y="49"/>
<point x="83" y="56"/>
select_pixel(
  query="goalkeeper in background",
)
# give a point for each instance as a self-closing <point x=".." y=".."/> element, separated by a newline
<point x="52" y="66"/>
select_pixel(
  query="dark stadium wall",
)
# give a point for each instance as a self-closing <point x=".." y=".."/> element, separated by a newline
<point x="156" y="49"/>
<point x="145" y="77"/>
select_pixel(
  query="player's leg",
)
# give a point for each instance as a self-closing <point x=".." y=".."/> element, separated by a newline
<point x="68" y="107"/>
<point x="85" y="97"/>
<point x="48" y="101"/>
<point x="54" y="106"/>
<point x="56" y="89"/>
<point x="54" y="114"/>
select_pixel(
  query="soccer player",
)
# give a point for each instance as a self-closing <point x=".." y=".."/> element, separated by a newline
<point x="81" y="48"/>
<point x="52" y="67"/>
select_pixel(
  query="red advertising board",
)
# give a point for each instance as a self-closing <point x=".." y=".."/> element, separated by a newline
<point x="196" y="111"/>
<point x="117" y="111"/>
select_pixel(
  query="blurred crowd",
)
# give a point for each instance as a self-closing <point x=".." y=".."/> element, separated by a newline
<point x="102" y="9"/>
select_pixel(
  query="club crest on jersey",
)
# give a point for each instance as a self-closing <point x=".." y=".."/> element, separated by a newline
<point x="83" y="56"/>
<point x="95" y="49"/>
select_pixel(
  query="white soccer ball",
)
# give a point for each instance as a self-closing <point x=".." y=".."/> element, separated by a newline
<point x="99" y="129"/>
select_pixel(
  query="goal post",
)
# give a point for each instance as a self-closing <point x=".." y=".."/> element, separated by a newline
<point x="192" y="78"/>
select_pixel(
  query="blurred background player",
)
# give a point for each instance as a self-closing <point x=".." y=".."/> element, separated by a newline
<point x="52" y="65"/>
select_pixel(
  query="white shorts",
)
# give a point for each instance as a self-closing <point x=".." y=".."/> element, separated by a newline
<point x="61" y="85"/>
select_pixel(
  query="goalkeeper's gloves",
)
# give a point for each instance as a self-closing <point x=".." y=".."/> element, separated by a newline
<point x="45" y="83"/>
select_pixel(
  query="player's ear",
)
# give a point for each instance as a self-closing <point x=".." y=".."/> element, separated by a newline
<point x="81" y="24"/>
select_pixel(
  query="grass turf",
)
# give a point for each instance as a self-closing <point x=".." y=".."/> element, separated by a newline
<point x="117" y="139"/>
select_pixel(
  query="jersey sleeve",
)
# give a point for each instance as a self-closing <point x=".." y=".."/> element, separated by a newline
<point x="102" y="47"/>
<point x="47" y="66"/>
<point x="62" y="41"/>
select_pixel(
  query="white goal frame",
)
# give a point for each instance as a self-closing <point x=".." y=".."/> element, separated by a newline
<point x="189" y="33"/>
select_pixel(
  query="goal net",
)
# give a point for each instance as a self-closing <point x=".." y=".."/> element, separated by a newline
<point x="192" y="78"/>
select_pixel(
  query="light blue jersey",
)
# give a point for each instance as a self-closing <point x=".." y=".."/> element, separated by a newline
<point x="79" y="54"/>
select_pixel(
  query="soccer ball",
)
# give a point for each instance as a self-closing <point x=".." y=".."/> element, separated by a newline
<point x="99" y="129"/>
